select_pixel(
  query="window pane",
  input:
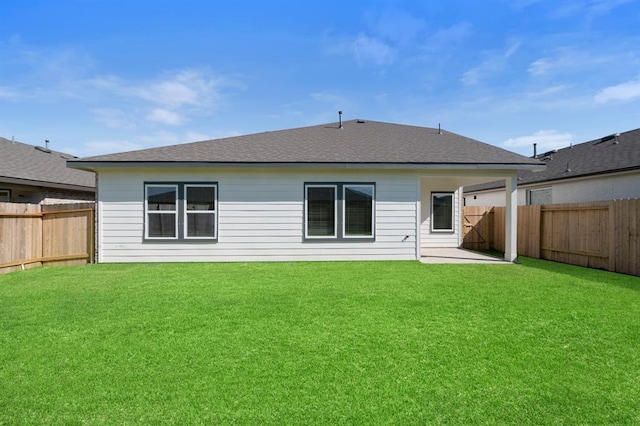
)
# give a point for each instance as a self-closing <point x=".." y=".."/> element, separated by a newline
<point x="161" y="198"/>
<point x="162" y="225"/>
<point x="443" y="211"/>
<point x="201" y="225"/>
<point x="201" y="197"/>
<point x="540" y="196"/>
<point x="358" y="210"/>
<point x="321" y="213"/>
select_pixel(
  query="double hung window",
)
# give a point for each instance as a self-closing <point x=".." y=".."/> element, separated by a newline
<point x="180" y="211"/>
<point x="339" y="211"/>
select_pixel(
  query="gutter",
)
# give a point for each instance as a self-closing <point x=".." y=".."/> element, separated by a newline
<point x="94" y="165"/>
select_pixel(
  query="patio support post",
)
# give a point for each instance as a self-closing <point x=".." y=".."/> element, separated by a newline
<point x="511" y="219"/>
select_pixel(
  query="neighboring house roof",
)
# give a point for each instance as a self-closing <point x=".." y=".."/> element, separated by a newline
<point x="609" y="154"/>
<point x="33" y="165"/>
<point x="358" y="141"/>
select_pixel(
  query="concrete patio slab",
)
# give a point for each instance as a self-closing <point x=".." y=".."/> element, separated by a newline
<point x="458" y="255"/>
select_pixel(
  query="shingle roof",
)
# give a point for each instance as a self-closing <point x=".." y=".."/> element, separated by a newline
<point x="604" y="155"/>
<point x="37" y="167"/>
<point x="358" y="141"/>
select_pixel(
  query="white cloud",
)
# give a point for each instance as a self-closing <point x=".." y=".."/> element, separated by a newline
<point x="369" y="49"/>
<point x="452" y="36"/>
<point x="187" y="87"/>
<point x="546" y="140"/>
<point x="621" y="92"/>
<point x="171" y="98"/>
<point x="164" y="116"/>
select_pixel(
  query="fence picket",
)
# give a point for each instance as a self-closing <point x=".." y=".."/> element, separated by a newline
<point x="33" y="235"/>
<point x="602" y="235"/>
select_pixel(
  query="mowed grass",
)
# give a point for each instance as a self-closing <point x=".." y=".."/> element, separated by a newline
<point x="319" y="343"/>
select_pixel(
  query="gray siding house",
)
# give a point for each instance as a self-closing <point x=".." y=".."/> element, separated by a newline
<point x="358" y="190"/>
<point x="606" y="168"/>
<point x="38" y="175"/>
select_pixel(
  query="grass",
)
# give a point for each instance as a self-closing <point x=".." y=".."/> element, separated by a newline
<point x="319" y="343"/>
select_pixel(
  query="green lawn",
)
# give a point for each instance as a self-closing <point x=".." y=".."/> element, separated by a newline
<point x="319" y="343"/>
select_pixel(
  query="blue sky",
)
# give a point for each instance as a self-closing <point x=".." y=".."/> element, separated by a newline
<point x="96" y="76"/>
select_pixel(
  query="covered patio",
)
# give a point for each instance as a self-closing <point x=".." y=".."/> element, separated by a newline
<point x="440" y="234"/>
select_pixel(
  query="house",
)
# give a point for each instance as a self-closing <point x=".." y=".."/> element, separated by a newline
<point x="38" y="175"/>
<point x="598" y="170"/>
<point x="344" y="191"/>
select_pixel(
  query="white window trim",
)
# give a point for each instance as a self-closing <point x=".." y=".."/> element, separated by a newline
<point x="453" y="213"/>
<point x="213" y="212"/>
<point x="306" y="212"/>
<point x="5" y="195"/>
<point x="147" y="212"/>
<point x="344" y="211"/>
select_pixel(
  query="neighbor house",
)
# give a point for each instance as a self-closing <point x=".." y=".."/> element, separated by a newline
<point x="602" y="169"/>
<point x="39" y="175"/>
<point x="344" y="191"/>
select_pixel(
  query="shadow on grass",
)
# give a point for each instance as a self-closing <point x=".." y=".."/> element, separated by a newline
<point x="589" y="274"/>
<point x="596" y="275"/>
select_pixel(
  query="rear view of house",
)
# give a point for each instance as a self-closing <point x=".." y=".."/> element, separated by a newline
<point x="343" y="191"/>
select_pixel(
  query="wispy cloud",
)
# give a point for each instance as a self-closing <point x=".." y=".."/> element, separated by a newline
<point x="450" y="36"/>
<point x="170" y="98"/>
<point x="165" y="116"/>
<point x="623" y="92"/>
<point x="494" y="63"/>
<point x="545" y="140"/>
<point x="371" y="50"/>
<point x="580" y="58"/>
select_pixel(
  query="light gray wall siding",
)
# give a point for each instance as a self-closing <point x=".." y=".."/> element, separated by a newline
<point x="429" y="238"/>
<point x="260" y="217"/>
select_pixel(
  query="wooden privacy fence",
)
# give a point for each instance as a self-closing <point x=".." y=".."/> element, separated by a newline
<point x="32" y="235"/>
<point x="603" y="234"/>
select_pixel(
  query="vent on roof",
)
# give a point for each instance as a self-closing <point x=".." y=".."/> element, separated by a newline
<point x="608" y="138"/>
<point x="360" y="121"/>
<point x="339" y="119"/>
<point x="43" y="149"/>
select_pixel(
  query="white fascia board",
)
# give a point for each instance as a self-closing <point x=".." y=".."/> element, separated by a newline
<point x="95" y="165"/>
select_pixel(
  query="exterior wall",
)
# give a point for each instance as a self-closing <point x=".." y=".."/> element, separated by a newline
<point x="429" y="238"/>
<point x="260" y="217"/>
<point x="42" y="195"/>
<point x="598" y="188"/>
<point x="488" y="198"/>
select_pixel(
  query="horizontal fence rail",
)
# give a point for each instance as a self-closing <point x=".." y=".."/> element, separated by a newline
<point x="602" y="235"/>
<point x="33" y="235"/>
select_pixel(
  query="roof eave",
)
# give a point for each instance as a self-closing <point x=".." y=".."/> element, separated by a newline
<point x="43" y="184"/>
<point x="94" y="165"/>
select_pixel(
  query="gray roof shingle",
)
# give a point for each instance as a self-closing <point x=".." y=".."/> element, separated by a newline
<point x="28" y="163"/>
<point x="358" y="141"/>
<point x="608" y="154"/>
